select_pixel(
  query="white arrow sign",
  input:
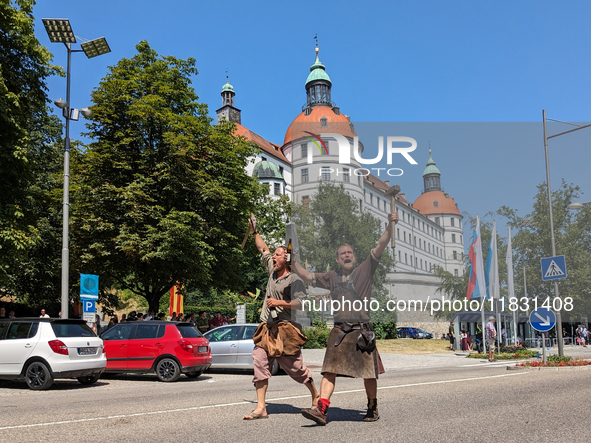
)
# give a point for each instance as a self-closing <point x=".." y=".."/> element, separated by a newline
<point x="545" y="321"/>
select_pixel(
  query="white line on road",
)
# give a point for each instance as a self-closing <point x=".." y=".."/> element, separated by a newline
<point x="194" y="408"/>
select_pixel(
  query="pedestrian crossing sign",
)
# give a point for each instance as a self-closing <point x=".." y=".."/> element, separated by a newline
<point x="553" y="268"/>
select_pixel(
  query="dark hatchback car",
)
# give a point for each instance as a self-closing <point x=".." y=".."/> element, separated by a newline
<point x="410" y="332"/>
<point x="167" y="348"/>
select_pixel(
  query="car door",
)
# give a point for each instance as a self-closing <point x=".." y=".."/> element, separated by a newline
<point x="245" y="347"/>
<point x="223" y="342"/>
<point x="116" y="342"/>
<point x="145" y="346"/>
<point x="20" y="339"/>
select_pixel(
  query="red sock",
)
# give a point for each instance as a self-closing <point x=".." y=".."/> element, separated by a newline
<point x="323" y="404"/>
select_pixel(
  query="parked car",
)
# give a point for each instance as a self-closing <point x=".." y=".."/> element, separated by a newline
<point x="167" y="348"/>
<point x="410" y="332"/>
<point x="40" y="350"/>
<point x="232" y="345"/>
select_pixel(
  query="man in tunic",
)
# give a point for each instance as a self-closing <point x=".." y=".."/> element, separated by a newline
<point x="350" y="350"/>
<point x="278" y="337"/>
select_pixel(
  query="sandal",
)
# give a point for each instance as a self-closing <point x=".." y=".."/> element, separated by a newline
<point x="254" y="416"/>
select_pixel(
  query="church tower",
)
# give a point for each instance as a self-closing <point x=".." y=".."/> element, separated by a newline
<point x="431" y="175"/>
<point x="228" y="112"/>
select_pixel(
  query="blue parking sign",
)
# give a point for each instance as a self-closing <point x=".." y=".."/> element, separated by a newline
<point x="88" y="306"/>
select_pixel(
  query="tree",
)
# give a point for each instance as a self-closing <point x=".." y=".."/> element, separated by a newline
<point x="26" y="130"/>
<point x="161" y="194"/>
<point x="572" y="231"/>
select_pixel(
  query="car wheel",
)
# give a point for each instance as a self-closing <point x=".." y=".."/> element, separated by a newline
<point x="38" y="376"/>
<point x="275" y="368"/>
<point x="194" y="374"/>
<point x="168" y="370"/>
<point x="89" y="380"/>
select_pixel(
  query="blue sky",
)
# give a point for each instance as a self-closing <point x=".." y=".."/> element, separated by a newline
<point x="423" y="61"/>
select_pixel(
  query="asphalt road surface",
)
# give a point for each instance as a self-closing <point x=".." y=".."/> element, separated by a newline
<point x="478" y="402"/>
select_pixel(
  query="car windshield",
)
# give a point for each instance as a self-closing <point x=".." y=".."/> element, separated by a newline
<point x="188" y="331"/>
<point x="72" y="330"/>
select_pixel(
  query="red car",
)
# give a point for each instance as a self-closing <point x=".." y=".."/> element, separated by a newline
<point x="167" y="348"/>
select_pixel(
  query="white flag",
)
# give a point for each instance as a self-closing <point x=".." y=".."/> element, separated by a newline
<point x="509" y="261"/>
<point x="492" y="267"/>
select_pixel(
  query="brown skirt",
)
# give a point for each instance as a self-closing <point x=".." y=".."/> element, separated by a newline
<point x="347" y="360"/>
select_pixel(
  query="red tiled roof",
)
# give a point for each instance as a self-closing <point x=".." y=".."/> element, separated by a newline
<point x="337" y="123"/>
<point x="268" y="147"/>
<point x="445" y="204"/>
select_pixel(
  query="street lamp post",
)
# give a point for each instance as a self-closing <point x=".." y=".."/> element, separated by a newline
<point x="60" y="31"/>
<point x="556" y="295"/>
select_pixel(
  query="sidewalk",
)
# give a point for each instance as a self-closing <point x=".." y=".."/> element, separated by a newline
<point x="395" y="362"/>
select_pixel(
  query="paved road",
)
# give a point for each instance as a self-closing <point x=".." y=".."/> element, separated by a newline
<point x="453" y="399"/>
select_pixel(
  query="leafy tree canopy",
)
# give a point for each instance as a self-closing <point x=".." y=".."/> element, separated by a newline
<point x="161" y="194"/>
<point x="26" y="129"/>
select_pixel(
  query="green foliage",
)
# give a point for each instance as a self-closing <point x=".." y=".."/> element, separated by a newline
<point x="453" y="288"/>
<point x="317" y="336"/>
<point x="332" y="220"/>
<point x="385" y="330"/>
<point x="559" y="358"/>
<point x="160" y="193"/>
<point x="27" y="132"/>
<point x="523" y="353"/>
<point x="572" y="231"/>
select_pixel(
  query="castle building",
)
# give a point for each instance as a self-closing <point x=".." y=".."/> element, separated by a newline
<point x="429" y="233"/>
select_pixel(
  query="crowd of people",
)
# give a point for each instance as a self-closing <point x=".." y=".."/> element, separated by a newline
<point x="203" y="322"/>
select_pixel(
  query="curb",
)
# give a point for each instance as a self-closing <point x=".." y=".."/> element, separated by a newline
<point x="546" y="368"/>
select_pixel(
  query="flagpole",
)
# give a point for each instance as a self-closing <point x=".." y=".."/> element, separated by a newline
<point x="510" y="282"/>
<point x="482" y="293"/>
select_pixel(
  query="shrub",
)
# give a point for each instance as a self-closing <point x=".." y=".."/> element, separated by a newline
<point x="385" y="330"/>
<point x="559" y="359"/>
<point x="317" y="336"/>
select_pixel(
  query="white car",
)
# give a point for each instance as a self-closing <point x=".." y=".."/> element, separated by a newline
<point x="232" y="345"/>
<point x="39" y="350"/>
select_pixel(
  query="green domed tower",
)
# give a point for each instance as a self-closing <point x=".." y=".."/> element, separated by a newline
<point x="228" y="112"/>
<point x="318" y="86"/>
<point x="431" y="175"/>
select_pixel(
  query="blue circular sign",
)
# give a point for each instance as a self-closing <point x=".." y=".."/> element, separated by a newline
<point x="542" y="319"/>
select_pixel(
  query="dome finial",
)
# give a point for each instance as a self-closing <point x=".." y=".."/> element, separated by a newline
<point x="316" y="38"/>
<point x="429" y="148"/>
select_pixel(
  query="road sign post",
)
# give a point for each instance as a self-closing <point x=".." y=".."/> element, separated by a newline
<point x="542" y="320"/>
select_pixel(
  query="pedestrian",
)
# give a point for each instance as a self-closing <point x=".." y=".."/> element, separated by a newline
<point x="219" y="320"/>
<point x="452" y="336"/>
<point x="490" y="334"/>
<point x="278" y="337"/>
<point x="43" y="314"/>
<point x="350" y="354"/>
<point x="2" y="312"/>
<point x="203" y="322"/>
<point x="11" y="314"/>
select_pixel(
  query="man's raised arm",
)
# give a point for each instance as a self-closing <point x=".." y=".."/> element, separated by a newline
<point x="258" y="240"/>
<point x="385" y="238"/>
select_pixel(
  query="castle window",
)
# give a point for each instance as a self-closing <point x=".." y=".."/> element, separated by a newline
<point x="453" y="238"/>
<point x="325" y="174"/>
<point x="455" y="254"/>
<point x="345" y="175"/>
<point x="277" y="189"/>
<point x="453" y="223"/>
<point x="305" y="177"/>
<point x="436" y="204"/>
<point x="323" y="122"/>
<point x="305" y="150"/>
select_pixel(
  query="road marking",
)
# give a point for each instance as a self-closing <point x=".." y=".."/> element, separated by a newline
<point x="270" y="400"/>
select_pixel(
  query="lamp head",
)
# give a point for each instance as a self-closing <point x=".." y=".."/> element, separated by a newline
<point x="87" y="113"/>
<point x="60" y="103"/>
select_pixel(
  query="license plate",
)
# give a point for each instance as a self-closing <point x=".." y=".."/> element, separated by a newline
<point x="202" y="349"/>
<point x="86" y="351"/>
